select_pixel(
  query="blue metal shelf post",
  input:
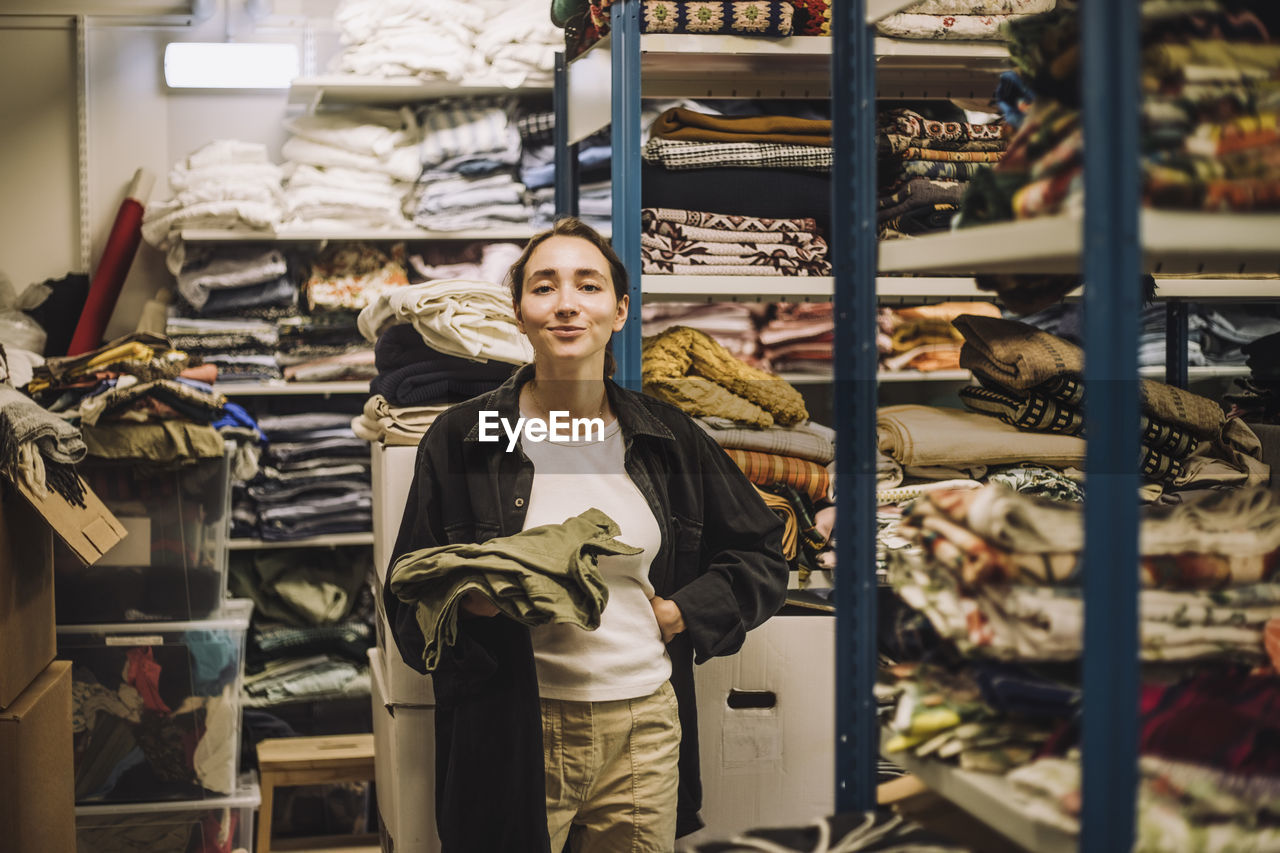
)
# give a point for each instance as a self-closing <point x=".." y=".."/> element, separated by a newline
<point x="854" y="251"/>
<point x="625" y="36"/>
<point x="1112" y="269"/>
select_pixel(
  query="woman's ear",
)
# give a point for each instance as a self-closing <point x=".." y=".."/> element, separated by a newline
<point x="519" y="318"/>
<point x="620" y="319"/>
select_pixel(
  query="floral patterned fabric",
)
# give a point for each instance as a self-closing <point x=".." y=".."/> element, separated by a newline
<point x="944" y="27"/>
<point x="351" y="276"/>
<point x="721" y="17"/>
<point x="979" y="7"/>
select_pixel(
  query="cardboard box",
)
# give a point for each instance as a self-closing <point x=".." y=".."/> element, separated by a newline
<point x="26" y="573"/>
<point x="405" y="764"/>
<point x="37" y="800"/>
<point x="766" y="723"/>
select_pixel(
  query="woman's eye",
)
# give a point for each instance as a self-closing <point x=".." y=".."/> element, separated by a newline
<point x="590" y="285"/>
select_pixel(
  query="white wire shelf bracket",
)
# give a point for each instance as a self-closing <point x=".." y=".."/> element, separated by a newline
<point x="349" y="89"/>
<point x="333" y="540"/>
<point x="274" y="388"/>
<point x="991" y="799"/>
<point x="1173" y="243"/>
<point x="303" y="235"/>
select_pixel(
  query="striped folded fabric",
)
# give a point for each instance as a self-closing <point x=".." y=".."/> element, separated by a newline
<point x="767" y="469"/>
<point x="694" y="154"/>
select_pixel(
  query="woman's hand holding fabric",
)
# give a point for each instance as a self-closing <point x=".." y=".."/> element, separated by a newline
<point x="478" y="605"/>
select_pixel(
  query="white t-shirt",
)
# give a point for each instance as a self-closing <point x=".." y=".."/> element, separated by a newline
<point x="625" y="657"/>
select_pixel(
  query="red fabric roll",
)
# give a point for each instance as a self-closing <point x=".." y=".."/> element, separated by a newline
<point x="108" y="280"/>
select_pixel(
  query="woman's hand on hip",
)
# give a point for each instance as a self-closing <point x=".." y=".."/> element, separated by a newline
<point x="478" y="605"/>
<point x="670" y="619"/>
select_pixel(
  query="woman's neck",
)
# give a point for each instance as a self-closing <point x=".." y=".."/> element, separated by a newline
<point x="580" y="396"/>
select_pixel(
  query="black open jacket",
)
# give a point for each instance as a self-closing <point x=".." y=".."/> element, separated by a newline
<point x="720" y="561"/>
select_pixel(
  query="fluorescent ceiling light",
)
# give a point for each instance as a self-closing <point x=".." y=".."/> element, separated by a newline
<point x="229" y="65"/>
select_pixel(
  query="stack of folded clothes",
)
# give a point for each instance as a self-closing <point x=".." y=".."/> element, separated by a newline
<point x="248" y="281"/>
<point x="958" y="20"/>
<point x="1209" y="134"/>
<point x="469" y="157"/>
<point x="998" y="576"/>
<point x="730" y="324"/>
<point x="922" y="337"/>
<point x="762" y="166"/>
<point x="242" y="350"/>
<point x="313" y="480"/>
<point x="349" y="167"/>
<point x="415" y="383"/>
<point x="227" y="184"/>
<point x="509" y="43"/>
<point x="798" y="337"/>
<point x="1258" y="399"/>
<point x="537" y="171"/>
<point x="312" y="623"/>
<point x="692" y="242"/>
<point x="1032" y="380"/>
<point x="925" y="164"/>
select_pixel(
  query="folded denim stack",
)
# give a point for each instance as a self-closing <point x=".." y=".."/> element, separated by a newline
<point x="313" y="480"/>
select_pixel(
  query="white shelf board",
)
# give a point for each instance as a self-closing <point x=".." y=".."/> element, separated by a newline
<point x="908" y="68"/>
<point x="991" y="799"/>
<point x="279" y="388"/>
<point x="877" y="9"/>
<point x="1173" y="242"/>
<point x="347" y="89"/>
<point x="331" y="540"/>
<point x="736" y="288"/>
<point x="299" y="235"/>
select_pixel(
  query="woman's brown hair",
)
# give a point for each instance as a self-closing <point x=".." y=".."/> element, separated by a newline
<point x="571" y="226"/>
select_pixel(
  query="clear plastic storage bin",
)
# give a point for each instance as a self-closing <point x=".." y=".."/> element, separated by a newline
<point x="156" y="706"/>
<point x="173" y="562"/>
<point x="222" y="825"/>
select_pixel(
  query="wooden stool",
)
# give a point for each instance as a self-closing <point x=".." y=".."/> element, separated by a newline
<point x="283" y="762"/>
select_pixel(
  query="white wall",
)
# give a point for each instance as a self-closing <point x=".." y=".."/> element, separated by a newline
<point x="134" y="122"/>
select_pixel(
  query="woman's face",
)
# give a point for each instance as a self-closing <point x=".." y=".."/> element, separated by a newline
<point x="567" y="306"/>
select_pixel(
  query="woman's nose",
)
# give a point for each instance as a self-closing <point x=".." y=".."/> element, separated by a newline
<point x="566" y="302"/>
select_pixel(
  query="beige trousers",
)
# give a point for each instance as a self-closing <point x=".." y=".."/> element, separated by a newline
<point x="612" y="770"/>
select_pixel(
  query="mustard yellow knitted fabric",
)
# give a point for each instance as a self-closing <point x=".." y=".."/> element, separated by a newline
<point x="688" y="369"/>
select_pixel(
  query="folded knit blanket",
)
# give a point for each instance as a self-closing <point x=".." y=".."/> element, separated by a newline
<point x="690" y="154"/>
<point x="38" y="448"/>
<point x="722" y="17"/>
<point x="771" y="469"/>
<point x="688" y="369"/>
<point x="1019" y="356"/>
<point x="544" y="575"/>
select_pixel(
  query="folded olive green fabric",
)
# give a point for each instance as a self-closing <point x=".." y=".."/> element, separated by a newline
<point x="543" y="575"/>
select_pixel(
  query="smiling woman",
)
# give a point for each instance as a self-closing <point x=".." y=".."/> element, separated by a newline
<point x="573" y="734"/>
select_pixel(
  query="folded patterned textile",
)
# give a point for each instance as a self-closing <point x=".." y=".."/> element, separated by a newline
<point x="768" y="469"/>
<point x="922" y="220"/>
<point x="944" y="27"/>
<point x="914" y="126"/>
<point x="770" y="18"/>
<point x="927" y="436"/>
<point x="688" y="369"/>
<point x="352" y="275"/>
<point x="245" y="368"/>
<point x="891" y="145"/>
<point x="462" y="317"/>
<point x="544" y="575"/>
<point x="691" y="154"/>
<point x="1018" y="356"/>
<point x="469" y="136"/>
<point x="942" y="155"/>
<point x="995" y="535"/>
<point x="394" y="425"/>
<point x="684" y="124"/>
<point x="730" y="324"/>
<point x="1041" y="623"/>
<point x="905" y="170"/>
<point x="665" y="255"/>
<point x="700" y="225"/>
<point x="808" y="440"/>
